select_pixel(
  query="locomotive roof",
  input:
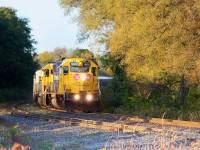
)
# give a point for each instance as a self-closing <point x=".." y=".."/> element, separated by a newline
<point x="47" y="66"/>
<point x="58" y="63"/>
<point x="75" y="60"/>
<point x="67" y="60"/>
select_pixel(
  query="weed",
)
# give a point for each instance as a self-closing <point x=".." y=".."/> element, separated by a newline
<point x="10" y="134"/>
<point x="194" y="116"/>
<point x="166" y="139"/>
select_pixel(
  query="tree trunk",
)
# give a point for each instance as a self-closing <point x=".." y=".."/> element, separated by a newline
<point x="182" y="90"/>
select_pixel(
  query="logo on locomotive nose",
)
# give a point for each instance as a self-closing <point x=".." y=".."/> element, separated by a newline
<point x="88" y="77"/>
<point x="76" y="77"/>
<point x="83" y="77"/>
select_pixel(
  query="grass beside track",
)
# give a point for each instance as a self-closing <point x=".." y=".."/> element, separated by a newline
<point x="11" y="133"/>
<point x="111" y="142"/>
<point x="130" y="118"/>
<point x="108" y="126"/>
<point x="96" y="124"/>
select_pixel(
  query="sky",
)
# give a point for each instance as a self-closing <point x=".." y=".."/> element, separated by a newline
<point x="50" y="27"/>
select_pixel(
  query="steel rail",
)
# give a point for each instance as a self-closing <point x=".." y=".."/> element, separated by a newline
<point x="130" y="118"/>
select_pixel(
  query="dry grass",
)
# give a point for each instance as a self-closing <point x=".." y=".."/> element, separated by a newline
<point x="150" y="141"/>
<point x="14" y="135"/>
<point x="164" y="140"/>
<point x="167" y="139"/>
<point x="194" y="116"/>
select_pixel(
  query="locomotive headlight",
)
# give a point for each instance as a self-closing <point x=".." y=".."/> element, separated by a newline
<point x="83" y="77"/>
<point x="89" y="97"/>
<point x="77" y="97"/>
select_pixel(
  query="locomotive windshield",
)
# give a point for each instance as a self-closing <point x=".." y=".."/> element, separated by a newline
<point x="79" y="69"/>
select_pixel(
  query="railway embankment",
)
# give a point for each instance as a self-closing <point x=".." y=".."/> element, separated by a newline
<point x="72" y="130"/>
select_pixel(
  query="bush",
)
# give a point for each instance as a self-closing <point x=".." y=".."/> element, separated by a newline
<point x="14" y="94"/>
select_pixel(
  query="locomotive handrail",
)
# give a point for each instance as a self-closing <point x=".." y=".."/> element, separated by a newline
<point x="65" y="88"/>
<point x="99" y="89"/>
<point x="46" y="88"/>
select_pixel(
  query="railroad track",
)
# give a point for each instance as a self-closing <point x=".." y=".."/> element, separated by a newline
<point x="108" y="126"/>
<point x="131" y="118"/>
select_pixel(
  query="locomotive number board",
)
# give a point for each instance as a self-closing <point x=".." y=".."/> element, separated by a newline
<point x="86" y="64"/>
<point x="74" y="64"/>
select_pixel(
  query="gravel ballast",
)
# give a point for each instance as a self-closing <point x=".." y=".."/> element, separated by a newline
<point x="62" y="135"/>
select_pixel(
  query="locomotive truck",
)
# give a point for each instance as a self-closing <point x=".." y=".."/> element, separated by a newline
<point x="69" y="84"/>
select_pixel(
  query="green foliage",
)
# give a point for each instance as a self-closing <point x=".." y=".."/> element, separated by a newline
<point x="59" y="53"/>
<point x="102" y="61"/>
<point x="53" y="56"/>
<point x="154" y="51"/>
<point x="16" y="51"/>
<point x="83" y="53"/>
<point x="15" y="93"/>
<point x="45" y="57"/>
<point x="9" y="135"/>
<point x="152" y="36"/>
<point x="120" y="85"/>
<point x="193" y="95"/>
<point x="107" y="98"/>
<point x="14" y="133"/>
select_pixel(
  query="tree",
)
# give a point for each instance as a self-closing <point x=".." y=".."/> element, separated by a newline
<point x="53" y="56"/>
<point x="16" y="50"/>
<point x="59" y="53"/>
<point x="45" y="57"/>
<point x="83" y="53"/>
<point x="158" y="37"/>
<point x="152" y="36"/>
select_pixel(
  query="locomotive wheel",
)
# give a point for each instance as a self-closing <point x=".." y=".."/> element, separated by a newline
<point x="93" y="107"/>
<point x="40" y="100"/>
<point x="89" y="108"/>
<point x="35" y="98"/>
<point x="57" y="103"/>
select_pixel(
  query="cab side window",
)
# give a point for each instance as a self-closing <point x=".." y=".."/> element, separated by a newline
<point x="65" y="70"/>
<point x="47" y="73"/>
<point x="94" y="71"/>
<point x="60" y="70"/>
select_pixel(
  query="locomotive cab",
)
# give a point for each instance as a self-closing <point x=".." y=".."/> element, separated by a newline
<point x="80" y="82"/>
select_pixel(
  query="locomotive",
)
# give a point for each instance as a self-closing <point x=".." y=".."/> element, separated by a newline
<point x="70" y="84"/>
